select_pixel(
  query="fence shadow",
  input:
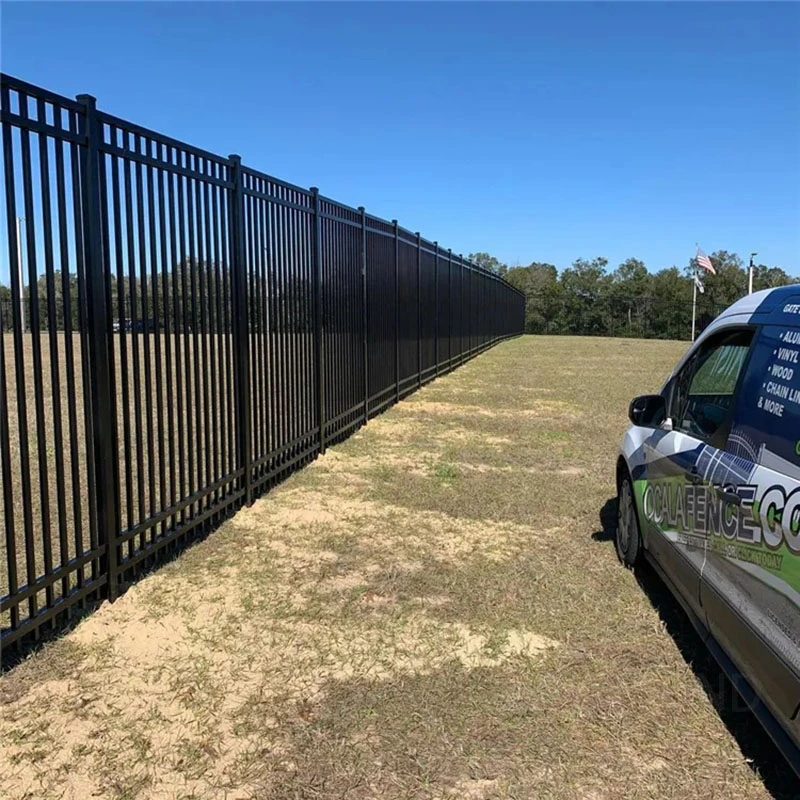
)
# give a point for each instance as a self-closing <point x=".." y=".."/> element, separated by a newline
<point x="762" y="755"/>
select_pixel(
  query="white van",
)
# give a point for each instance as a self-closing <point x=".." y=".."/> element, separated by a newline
<point x="708" y="482"/>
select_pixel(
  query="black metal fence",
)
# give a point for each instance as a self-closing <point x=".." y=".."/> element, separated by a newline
<point x="179" y="333"/>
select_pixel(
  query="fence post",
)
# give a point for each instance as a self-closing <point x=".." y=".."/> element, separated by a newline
<point x="419" y="310"/>
<point x="470" y="293"/>
<point x="241" y="332"/>
<point x="436" y="308"/>
<point x="468" y="277"/>
<point x="103" y="416"/>
<point x="319" y="317"/>
<point x="461" y="263"/>
<point x="365" y="307"/>
<point x="450" y="306"/>
<point x="396" y="311"/>
<point x="523" y="301"/>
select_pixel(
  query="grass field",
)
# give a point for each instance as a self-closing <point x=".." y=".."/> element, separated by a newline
<point x="432" y="609"/>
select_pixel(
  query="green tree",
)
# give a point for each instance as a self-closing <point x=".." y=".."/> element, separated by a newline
<point x="671" y="305"/>
<point x="631" y="301"/>
<point x="631" y="278"/>
<point x="765" y="277"/>
<point x="629" y="298"/>
<point x="488" y="262"/>
<point x="57" y="284"/>
<point x="539" y="282"/>
<point x="584" y="288"/>
<point x="5" y="307"/>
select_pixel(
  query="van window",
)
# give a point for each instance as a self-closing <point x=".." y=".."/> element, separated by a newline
<point x="704" y="390"/>
<point x="766" y="425"/>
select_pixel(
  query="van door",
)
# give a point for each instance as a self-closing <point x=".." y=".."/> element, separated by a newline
<point x="679" y="462"/>
<point x="750" y="585"/>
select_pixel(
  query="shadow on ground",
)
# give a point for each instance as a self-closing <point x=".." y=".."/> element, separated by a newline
<point x="761" y="754"/>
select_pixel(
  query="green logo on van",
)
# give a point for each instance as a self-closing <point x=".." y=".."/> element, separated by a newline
<point x="797" y="448"/>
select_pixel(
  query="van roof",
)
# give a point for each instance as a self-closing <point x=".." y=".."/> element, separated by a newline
<point x="779" y="306"/>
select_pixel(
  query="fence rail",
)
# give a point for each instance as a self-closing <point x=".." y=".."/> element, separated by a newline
<point x="180" y="332"/>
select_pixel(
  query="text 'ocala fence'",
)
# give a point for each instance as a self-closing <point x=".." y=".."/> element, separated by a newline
<point x="184" y="332"/>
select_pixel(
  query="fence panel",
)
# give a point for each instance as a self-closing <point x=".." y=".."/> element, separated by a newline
<point x="167" y="262"/>
<point x="429" y="305"/>
<point x="343" y="323"/>
<point x="457" y="297"/>
<point x="52" y="549"/>
<point x="178" y="332"/>
<point x="283" y="363"/>
<point x="408" y="313"/>
<point x="442" y="310"/>
<point x="381" y="329"/>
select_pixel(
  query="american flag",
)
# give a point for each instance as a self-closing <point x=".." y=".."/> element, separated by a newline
<point x="705" y="262"/>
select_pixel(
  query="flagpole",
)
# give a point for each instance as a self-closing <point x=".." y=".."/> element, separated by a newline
<point x="694" y="302"/>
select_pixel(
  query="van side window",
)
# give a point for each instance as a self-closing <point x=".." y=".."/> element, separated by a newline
<point x="766" y="425"/>
<point x="703" y="391"/>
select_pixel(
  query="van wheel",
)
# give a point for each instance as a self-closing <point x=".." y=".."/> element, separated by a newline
<point x="628" y="539"/>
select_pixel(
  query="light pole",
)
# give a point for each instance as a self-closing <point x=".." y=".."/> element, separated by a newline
<point x="21" y="271"/>
<point x="695" y="281"/>
<point x="752" y="256"/>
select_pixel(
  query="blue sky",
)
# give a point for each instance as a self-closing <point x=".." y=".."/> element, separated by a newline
<point x="533" y="131"/>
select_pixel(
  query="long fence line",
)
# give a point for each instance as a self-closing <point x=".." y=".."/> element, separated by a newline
<point x="184" y="332"/>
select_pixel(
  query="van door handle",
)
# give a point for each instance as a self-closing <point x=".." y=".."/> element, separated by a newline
<point x="730" y="497"/>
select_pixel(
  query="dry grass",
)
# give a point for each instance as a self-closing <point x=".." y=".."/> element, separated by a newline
<point x="432" y="609"/>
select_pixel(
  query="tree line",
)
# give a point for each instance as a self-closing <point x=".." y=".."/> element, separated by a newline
<point x="192" y="296"/>
<point x="588" y="298"/>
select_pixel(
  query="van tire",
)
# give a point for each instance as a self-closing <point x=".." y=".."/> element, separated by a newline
<point x="627" y="537"/>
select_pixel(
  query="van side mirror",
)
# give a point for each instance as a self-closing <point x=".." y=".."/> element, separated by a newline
<point x="648" y="410"/>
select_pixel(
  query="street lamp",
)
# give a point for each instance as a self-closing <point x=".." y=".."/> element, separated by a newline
<point x="752" y="256"/>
